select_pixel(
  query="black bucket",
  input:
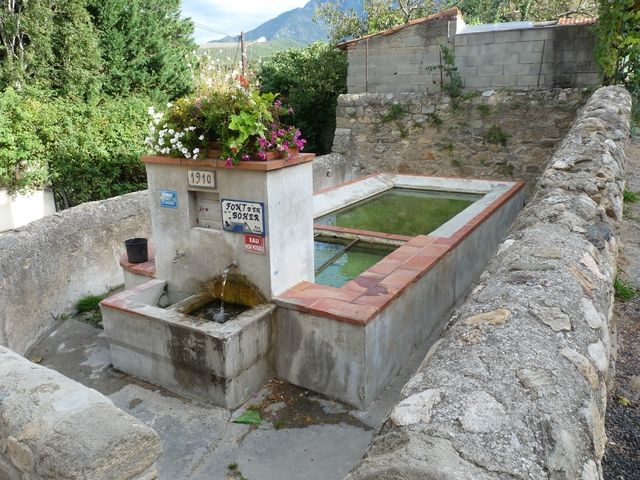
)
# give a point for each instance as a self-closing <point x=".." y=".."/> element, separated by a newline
<point x="137" y="251"/>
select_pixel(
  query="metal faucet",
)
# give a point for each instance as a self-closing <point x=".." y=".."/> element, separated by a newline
<point x="179" y="253"/>
<point x="230" y="267"/>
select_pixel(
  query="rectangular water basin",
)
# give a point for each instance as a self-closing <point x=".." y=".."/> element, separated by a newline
<point x="219" y="363"/>
<point x="338" y="260"/>
<point x="349" y="342"/>
<point x="401" y="211"/>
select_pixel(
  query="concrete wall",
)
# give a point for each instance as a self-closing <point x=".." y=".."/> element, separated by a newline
<point x="433" y="135"/>
<point x="53" y="427"/>
<point x="49" y="264"/>
<point x="19" y="209"/>
<point x="408" y="58"/>
<point x="517" y="385"/>
<point x="189" y="255"/>
<point x="331" y="170"/>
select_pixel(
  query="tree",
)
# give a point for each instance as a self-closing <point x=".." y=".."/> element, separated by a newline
<point x="146" y="46"/>
<point x="383" y="14"/>
<point x="378" y="15"/>
<point x="618" y="45"/>
<point x="310" y="79"/>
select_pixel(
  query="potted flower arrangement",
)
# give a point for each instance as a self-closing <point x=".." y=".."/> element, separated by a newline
<point x="231" y="119"/>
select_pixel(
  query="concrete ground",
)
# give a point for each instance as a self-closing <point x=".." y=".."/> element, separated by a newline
<point x="302" y="434"/>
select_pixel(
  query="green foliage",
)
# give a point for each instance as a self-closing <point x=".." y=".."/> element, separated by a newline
<point x="630" y="197"/>
<point x="88" y="303"/>
<point x="85" y="150"/>
<point x="453" y="84"/>
<point x="623" y="289"/>
<point x="250" y="417"/>
<point x="146" y="47"/>
<point x="383" y="14"/>
<point x="496" y="136"/>
<point x="49" y="44"/>
<point x="434" y="120"/>
<point x="232" y="466"/>
<point x="96" y="152"/>
<point x="25" y="128"/>
<point x="83" y="47"/>
<point x="310" y="79"/>
<point x="395" y="112"/>
<point x="484" y="109"/>
<point x="378" y="15"/>
<point x="618" y="46"/>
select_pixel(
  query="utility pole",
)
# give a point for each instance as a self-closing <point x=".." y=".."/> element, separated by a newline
<point x="243" y="53"/>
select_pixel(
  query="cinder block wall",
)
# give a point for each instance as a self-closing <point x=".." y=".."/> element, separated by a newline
<point x="547" y="57"/>
<point x="409" y="60"/>
<point x="406" y="60"/>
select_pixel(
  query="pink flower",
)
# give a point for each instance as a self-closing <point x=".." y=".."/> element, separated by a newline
<point x="228" y="162"/>
<point x="245" y="157"/>
<point x="262" y="155"/>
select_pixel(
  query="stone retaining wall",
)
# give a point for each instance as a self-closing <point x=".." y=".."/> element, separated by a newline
<point x="516" y="387"/>
<point x="499" y="134"/>
<point x="49" y="264"/>
<point x="54" y="428"/>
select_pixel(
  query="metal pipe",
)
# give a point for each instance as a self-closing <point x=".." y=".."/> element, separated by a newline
<point x="336" y="255"/>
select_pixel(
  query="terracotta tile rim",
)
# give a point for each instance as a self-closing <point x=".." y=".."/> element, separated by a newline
<point x="441" y="246"/>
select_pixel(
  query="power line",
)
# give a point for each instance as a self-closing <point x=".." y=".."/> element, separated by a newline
<point x="209" y="29"/>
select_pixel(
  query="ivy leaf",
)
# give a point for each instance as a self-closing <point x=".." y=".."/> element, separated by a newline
<point x="250" y="417"/>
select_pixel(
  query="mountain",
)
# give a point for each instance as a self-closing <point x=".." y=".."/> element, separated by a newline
<point x="296" y="24"/>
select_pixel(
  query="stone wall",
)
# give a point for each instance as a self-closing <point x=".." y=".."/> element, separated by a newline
<point x="54" y="428"/>
<point x="408" y="58"/>
<point x="503" y="134"/>
<point x="516" y="387"/>
<point x="49" y="264"/>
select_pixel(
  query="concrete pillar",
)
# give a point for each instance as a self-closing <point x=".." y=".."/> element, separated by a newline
<point x="205" y="216"/>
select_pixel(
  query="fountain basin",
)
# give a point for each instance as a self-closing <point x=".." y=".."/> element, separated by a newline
<point x="216" y="363"/>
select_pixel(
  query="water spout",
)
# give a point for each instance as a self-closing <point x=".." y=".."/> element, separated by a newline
<point x="179" y="253"/>
<point x="219" y="317"/>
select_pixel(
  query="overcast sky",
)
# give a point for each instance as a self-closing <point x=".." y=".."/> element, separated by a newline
<point x="232" y="16"/>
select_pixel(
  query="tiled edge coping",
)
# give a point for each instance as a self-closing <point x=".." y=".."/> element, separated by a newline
<point x="262" y="166"/>
<point x="362" y="299"/>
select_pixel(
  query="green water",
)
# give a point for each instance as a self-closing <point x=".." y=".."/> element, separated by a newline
<point x="349" y="265"/>
<point x="401" y="211"/>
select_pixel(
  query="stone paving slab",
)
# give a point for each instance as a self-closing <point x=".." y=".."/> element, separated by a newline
<point x="303" y="435"/>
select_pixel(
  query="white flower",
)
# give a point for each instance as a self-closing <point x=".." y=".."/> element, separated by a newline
<point x="151" y="110"/>
<point x="173" y="140"/>
<point x="195" y="157"/>
<point x="201" y="137"/>
<point x="196" y="150"/>
<point x="184" y="150"/>
<point x="172" y="131"/>
<point x="187" y="155"/>
<point x="156" y="148"/>
<point x="179" y="144"/>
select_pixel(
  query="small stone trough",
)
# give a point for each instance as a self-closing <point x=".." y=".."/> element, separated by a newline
<point x="219" y="363"/>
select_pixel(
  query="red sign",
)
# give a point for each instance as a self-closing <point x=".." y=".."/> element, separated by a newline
<point x="254" y="244"/>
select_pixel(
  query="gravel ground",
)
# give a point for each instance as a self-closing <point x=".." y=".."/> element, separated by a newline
<point x="622" y="457"/>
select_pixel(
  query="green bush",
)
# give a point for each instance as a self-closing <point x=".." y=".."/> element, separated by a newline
<point x="24" y="126"/>
<point x="97" y="149"/>
<point x="310" y="79"/>
<point x="85" y="151"/>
